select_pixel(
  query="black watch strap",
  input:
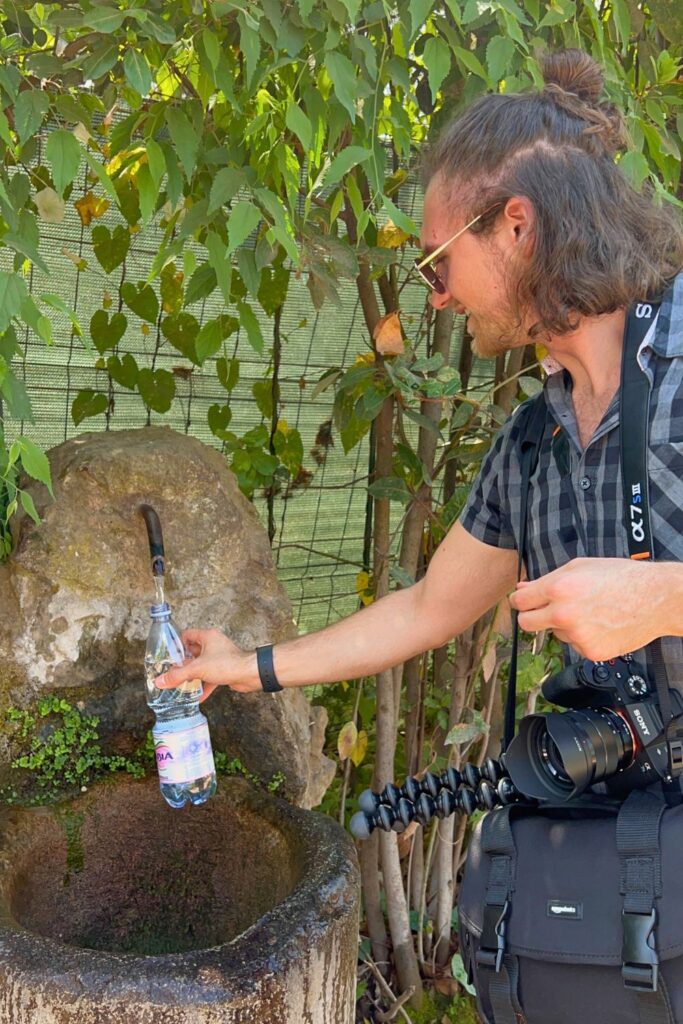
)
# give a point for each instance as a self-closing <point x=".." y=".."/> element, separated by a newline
<point x="266" y="669"/>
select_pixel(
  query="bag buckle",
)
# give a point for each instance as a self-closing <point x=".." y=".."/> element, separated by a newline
<point x="640" y="961"/>
<point x="492" y="947"/>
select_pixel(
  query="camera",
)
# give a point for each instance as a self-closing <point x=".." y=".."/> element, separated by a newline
<point x="613" y="734"/>
<point x="610" y="740"/>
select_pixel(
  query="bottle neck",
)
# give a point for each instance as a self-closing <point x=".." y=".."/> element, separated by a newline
<point x="160" y="612"/>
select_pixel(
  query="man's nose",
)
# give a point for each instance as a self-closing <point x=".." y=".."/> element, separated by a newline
<point x="440" y="300"/>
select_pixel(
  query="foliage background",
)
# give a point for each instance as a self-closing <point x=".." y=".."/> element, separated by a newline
<point x="182" y="185"/>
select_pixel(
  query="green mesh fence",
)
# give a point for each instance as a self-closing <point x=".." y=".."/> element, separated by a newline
<point x="319" y="528"/>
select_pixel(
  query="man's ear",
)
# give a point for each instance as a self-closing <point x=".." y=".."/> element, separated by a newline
<point x="518" y="224"/>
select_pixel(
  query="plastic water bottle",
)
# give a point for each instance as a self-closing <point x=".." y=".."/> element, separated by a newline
<point x="182" y="743"/>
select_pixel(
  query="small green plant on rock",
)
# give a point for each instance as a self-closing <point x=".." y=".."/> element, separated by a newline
<point x="64" y="751"/>
<point x="233" y="766"/>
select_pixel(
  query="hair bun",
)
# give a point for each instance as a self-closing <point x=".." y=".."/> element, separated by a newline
<point x="575" y="72"/>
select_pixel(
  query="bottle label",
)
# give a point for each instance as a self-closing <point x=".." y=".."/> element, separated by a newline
<point x="184" y="756"/>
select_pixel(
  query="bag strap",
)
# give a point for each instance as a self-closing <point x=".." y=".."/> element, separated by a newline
<point x="640" y="857"/>
<point x="535" y="414"/>
<point x="496" y="970"/>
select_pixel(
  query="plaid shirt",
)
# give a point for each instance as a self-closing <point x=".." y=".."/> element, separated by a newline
<point x="492" y="512"/>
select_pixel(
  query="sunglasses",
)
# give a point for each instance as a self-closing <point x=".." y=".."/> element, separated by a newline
<point x="423" y="266"/>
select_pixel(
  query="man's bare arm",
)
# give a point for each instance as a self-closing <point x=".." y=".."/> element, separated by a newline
<point x="464" y="579"/>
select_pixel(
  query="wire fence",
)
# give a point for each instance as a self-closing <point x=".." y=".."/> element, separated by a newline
<point x="318" y="543"/>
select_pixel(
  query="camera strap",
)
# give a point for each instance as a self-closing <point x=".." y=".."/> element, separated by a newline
<point x="634" y="397"/>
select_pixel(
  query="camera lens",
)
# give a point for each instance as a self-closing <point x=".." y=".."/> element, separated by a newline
<point x="560" y="755"/>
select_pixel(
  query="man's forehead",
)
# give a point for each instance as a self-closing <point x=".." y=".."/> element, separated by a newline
<point x="440" y="214"/>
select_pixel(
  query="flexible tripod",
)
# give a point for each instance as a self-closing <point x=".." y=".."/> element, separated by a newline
<point x="465" y="791"/>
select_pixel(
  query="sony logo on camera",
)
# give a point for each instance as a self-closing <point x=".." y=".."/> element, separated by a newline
<point x="640" y="719"/>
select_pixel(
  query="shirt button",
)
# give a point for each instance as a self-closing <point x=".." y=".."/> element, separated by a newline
<point x="584" y="483"/>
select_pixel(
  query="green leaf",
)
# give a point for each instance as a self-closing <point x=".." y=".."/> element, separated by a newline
<point x="13" y="292"/>
<point x="102" y="176"/>
<point x="344" y="162"/>
<point x="466" y="732"/>
<point x="251" y="325"/>
<point x="390" y="488"/>
<point x="185" y="139"/>
<point x="201" y="284"/>
<point x="228" y="372"/>
<point x="156" y="161"/>
<point x="102" y="59"/>
<point x="57" y="302"/>
<point x="181" y="330"/>
<point x="110" y="249"/>
<point x="212" y="47"/>
<point x="148" y="193"/>
<point x="250" y="45"/>
<point x="104" y="19"/>
<point x="88" y="403"/>
<point x="157" y="389"/>
<point x="137" y="71"/>
<point x="142" y="299"/>
<point x="219" y="417"/>
<point x="226" y="185"/>
<point x="161" y="30"/>
<point x="297" y="122"/>
<point x="248" y="271"/>
<point x="400" y="219"/>
<point x="123" y="371"/>
<point x="35" y="462"/>
<point x="31" y="315"/>
<point x="220" y="264"/>
<point x="107" y="333"/>
<point x="63" y="150"/>
<point x="5" y="133"/>
<point x="28" y="506"/>
<point x="668" y="17"/>
<point x="498" y="57"/>
<point x="29" y="110"/>
<point x="437" y="58"/>
<point x="262" y="390"/>
<point x="343" y="76"/>
<point x="209" y="340"/>
<point x="15" y="395"/>
<point x="244" y="218"/>
<point x="471" y="62"/>
<point x="419" y="12"/>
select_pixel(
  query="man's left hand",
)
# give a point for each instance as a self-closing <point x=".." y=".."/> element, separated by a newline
<point x="603" y="607"/>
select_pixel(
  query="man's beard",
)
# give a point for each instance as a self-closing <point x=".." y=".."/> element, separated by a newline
<point x="494" y="335"/>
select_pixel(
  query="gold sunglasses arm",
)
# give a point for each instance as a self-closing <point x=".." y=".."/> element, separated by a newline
<point x="437" y="252"/>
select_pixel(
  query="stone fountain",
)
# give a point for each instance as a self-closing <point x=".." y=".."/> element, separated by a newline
<point x="113" y="907"/>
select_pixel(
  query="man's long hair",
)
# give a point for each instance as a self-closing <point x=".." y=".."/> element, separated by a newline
<point x="599" y="245"/>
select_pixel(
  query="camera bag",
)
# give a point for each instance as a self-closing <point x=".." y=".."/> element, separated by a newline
<point x="571" y="914"/>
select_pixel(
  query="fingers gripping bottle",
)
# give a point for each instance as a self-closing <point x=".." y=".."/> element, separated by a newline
<point x="182" y="743"/>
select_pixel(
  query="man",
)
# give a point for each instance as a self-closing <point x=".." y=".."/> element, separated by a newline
<point x="533" y="232"/>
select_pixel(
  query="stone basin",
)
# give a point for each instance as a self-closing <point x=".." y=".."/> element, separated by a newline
<point x="115" y="908"/>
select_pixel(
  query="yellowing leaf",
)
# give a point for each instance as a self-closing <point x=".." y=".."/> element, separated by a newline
<point x="50" y="206"/>
<point x="116" y="163"/>
<point x="488" y="662"/>
<point x="359" y="748"/>
<point x="364" y="588"/>
<point x="346" y="740"/>
<point x="364" y="359"/>
<point x="388" y="336"/>
<point x="90" y="208"/>
<point x="391" y="237"/>
<point x="77" y="261"/>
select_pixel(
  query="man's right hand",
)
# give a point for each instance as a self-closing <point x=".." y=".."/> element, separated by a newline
<point x="217" y="661"/>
